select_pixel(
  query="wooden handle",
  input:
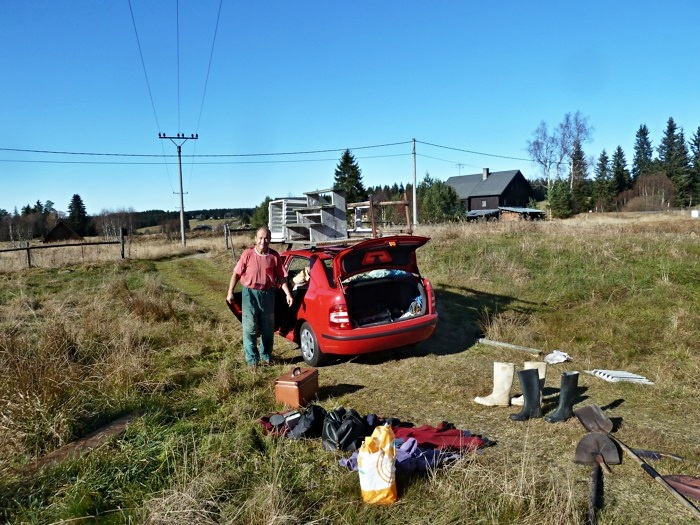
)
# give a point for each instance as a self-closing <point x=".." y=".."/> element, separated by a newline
<point x="650" y="470"/>
<point x="601" y="462"/>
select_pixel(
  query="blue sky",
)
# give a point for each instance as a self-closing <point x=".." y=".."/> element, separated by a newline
<point x="285" y="77"/>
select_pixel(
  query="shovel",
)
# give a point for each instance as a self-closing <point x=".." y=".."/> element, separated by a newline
<point x="599" y="451"/>
<point x="593" y="420"/>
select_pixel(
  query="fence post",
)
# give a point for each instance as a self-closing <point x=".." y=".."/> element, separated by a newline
<point x="29" y="257"/>
<point x="121" y="242"/>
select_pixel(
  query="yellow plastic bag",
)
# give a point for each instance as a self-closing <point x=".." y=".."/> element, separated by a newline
<point x="376" y="465"/>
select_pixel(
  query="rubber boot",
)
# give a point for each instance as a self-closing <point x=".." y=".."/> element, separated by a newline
<point x="541" y="367"/>
<point x="502" y="381"/>
<point x="530" y="384"/>
<point x="567" y="393"/>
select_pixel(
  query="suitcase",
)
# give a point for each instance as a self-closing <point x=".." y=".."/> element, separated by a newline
<point x="297" y="388"/>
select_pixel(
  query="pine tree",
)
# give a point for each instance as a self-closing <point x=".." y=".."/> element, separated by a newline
<point x="348" y="177"/>
<point x="603" y="188"/>
<point x="438" y="202"/>
<point x="695" y="169"/>
<point x="620" y="173"/>
<point x="261" y="214"/>
<point x="674" y="160"/>
<point x="643" y="161"/>
<point x="77" y="215"/>
<point x="560" y="199"/>
<point x="580" y="195"/>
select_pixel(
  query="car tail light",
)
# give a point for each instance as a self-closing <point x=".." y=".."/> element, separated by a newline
<point x="338" y="317"/>
<point x="431" y="294"/>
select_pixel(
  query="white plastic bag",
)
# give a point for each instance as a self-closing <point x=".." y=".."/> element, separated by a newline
<point x="377" y="468"/>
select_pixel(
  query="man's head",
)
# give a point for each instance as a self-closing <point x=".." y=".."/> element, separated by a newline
<point x="262" y="239"/>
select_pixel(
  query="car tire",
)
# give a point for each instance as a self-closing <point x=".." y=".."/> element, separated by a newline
<point x="310" y="351"/>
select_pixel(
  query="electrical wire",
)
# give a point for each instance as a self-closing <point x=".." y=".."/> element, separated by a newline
<point x="211" y="56"/>
<point x="177" y="31"/>
<point x="150" y="93"/>
<point x="206" y="84"/>
<point x="135" y="163"/>
<point x="472" y="152"/>
<point x="307" y="152"/>
<point x="253" y="155"/>
<point x="143" y="65"/>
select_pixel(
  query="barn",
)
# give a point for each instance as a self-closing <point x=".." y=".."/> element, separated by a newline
<point x="61" y="232"/>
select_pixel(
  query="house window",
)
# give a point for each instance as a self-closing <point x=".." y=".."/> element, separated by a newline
<point x="483" y="204"/>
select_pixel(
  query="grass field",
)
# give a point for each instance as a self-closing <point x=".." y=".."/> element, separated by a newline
<point x="83" y="344"/>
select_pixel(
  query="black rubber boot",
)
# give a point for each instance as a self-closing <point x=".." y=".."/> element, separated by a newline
<point x="530" y="385"/>
<point x="567" y="393"/>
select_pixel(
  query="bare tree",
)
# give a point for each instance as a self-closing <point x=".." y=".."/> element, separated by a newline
<point x="542" y="149"/>
<point x="574" y="128"/>
<point x="553" y="151"/>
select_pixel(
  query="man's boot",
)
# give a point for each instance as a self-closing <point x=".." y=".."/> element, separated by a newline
<point x="502" y="381"/>
<point x="530" y="384"/>
<point x="541" y="367"/>
<point x="567" y="393"/>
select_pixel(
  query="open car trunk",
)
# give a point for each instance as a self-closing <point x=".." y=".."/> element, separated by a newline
<point x="384" y="296"/>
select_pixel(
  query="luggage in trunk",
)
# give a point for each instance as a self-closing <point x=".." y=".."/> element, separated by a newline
<point x="390" y="298"/>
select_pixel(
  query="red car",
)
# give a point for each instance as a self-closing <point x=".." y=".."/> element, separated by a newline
<point x="356" y="299"/>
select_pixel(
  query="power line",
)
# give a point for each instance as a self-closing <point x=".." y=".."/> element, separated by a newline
<point x="448" y="161"/>
<point x="280" y="161"/>
<point x="249" y="155"/>
<point x="177" y="32"/>
<point x="473" y="152"/>
<point x="211" y="55"/>
<point x="308" y="152"/>
<point x="143" y="65"/>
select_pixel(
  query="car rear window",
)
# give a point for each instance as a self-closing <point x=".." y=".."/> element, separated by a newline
<point x="357" y="260"/>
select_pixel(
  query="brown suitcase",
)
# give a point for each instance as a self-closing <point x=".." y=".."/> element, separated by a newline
<point x="296" y="388"/>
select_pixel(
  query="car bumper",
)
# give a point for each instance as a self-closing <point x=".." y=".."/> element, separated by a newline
<point x="378" y="338"/>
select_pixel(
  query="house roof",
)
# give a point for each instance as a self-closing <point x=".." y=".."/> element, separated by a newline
<point x="61" y="232"/>
<point x="474" y="186"/>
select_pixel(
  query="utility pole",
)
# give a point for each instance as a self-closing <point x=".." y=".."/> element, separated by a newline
<point x="415" y="212"/>
<point x="179" y="140"/>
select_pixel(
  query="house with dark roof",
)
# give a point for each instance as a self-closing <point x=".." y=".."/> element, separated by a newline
<point x="487" y="194"/>
<point x="62" y="232"/>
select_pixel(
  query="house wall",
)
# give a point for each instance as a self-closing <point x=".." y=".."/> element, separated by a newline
<point x="517" y="194"/>
<point x="477" y="203"/>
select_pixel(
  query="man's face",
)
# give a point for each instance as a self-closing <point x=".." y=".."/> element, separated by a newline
<point x="262" y="241"/>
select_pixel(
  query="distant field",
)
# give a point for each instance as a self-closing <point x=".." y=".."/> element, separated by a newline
<point x="84" y="343"/>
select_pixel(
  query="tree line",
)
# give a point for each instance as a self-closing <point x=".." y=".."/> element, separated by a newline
<point x="33" y="221"/>
<point x="658" y="178"/>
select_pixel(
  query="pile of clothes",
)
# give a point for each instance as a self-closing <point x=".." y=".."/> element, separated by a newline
<point x="418" y="449"/>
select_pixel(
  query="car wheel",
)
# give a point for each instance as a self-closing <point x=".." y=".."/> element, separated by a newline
<point x="310" y="351"/>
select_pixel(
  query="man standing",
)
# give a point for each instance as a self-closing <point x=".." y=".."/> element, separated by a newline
<point x="260" y="270"/>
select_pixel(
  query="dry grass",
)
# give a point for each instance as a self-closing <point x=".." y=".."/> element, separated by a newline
<point x="85" y="343"/>
<point x="150" y="247"/>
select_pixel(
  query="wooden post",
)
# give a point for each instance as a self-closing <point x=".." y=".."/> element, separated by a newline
<point x="408" y="214"/>
<point x="226" y="235"/>
<point x="371" y="217"/>
<point x="121" y="242"/>
<point x="29" y="256"/>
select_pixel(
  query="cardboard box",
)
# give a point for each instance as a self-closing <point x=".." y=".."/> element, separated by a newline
<point x="297" y="388"/>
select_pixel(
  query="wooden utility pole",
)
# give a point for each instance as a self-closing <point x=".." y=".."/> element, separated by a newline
<point x="181" y="139"/>
<point x="415" y="212"/>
